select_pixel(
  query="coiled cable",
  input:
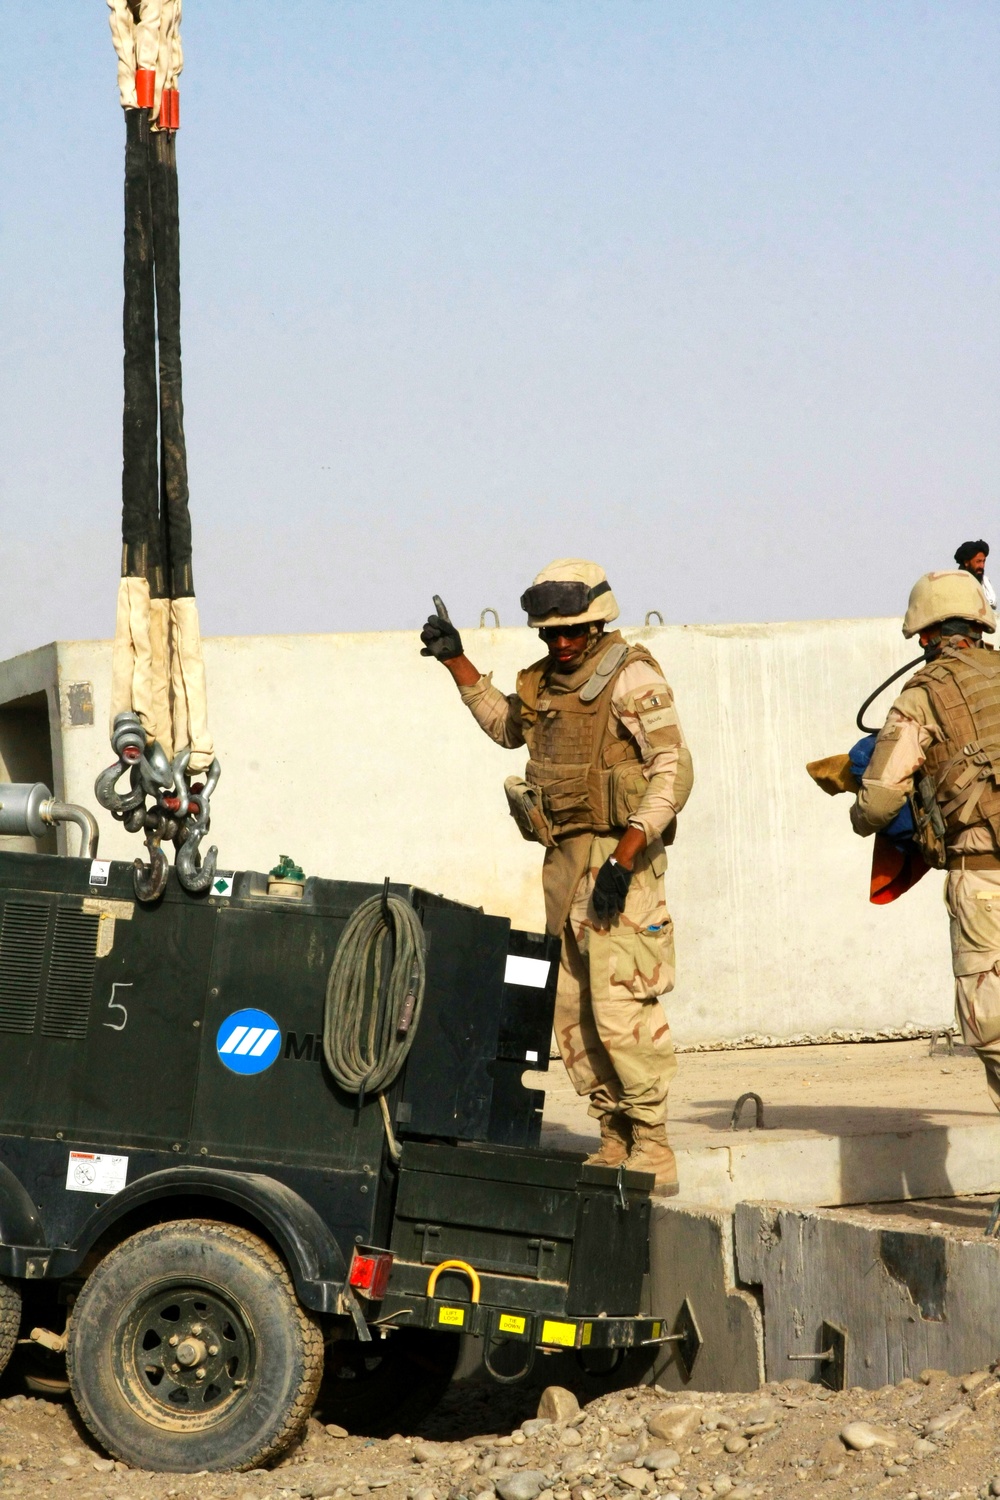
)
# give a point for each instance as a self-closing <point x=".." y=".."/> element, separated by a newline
<point x="373" y="998"/>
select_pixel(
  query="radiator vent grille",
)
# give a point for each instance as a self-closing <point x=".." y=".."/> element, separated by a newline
<point x="71" y="974"/>
<point x="22" y="953"/>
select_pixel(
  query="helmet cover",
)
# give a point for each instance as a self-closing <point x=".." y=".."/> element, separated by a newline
<point x="570" y="591"/>
<point x="955" y="594"/>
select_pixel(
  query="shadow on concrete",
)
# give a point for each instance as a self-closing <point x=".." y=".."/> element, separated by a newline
<point x="883" y="1153"/>
<point x="831" y="1119"/>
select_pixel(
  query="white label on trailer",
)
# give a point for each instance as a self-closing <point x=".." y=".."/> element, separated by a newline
<point x="222" y="885"/>
<point x="531" y="1057"/>
<point x="100" y="870"/>
<point x="530" y="971"/>
<point x="88" y="1173"/>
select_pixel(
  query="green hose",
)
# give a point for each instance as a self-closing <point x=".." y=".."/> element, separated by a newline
<point x="373" y="998"/>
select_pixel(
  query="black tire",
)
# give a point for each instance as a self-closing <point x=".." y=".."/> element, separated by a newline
<point x="390" y="1385"/>
<point x="10" y="1321"/>
<point x="219" y="1300"/>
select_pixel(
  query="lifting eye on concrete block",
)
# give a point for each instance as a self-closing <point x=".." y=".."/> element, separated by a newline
<point x="949" y="1037"/>
<point x="832" y="1356"/>
<point x="758" y="1111"/>
<point x="649" y="615"/>
<point x="489" y="610"/>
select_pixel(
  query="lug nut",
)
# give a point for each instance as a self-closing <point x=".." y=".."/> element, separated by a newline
<point x="199" y="1374"/>
<point x="213" y="1348"/>
<point x="175" y="1368"/>
<point x="173" y="1341"/>
<point x="196" y="1328"/>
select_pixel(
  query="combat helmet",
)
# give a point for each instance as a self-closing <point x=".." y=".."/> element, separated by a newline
<point x="951" y="595"/>
<point x="570" y="591"/>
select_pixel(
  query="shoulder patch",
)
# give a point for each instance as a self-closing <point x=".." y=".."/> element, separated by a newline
<point x="655" y="709"/>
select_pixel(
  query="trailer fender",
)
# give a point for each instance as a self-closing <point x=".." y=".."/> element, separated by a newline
<point x="19" y="1221"/>
<point x="313" y="1255"/>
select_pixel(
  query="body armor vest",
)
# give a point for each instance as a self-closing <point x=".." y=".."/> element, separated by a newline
<point x="963" y="686"/>
<point x="585" y="768"/>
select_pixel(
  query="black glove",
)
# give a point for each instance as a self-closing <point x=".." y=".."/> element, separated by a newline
<point x="441" y="639"/>
<point x="611" y="889"/>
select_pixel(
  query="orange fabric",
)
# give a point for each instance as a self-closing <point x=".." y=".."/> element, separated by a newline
<point x="894" y="871"/>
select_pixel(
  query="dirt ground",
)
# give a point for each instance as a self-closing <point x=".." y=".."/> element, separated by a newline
<point x="934" y="1439"/>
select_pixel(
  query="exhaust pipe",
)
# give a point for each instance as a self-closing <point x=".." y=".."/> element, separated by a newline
<point x="28" y="809"/>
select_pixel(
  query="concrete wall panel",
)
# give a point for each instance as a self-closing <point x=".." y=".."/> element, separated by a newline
<point x="354" y="754"/>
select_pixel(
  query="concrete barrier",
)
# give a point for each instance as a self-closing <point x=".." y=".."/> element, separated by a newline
<point x="354" y="755"/>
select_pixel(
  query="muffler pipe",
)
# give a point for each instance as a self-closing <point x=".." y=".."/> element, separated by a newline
<point x="54" y="812"/>
<point x="28" y="810"/>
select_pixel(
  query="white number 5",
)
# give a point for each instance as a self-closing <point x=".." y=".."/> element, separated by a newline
<point x="114" y="1004"/>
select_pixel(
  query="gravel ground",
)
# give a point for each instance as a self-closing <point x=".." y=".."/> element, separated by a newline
<point x="936" y="1437"/>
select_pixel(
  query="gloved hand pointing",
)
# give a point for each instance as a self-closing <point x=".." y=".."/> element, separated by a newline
<point x="441" y="639"/>
<point x="611" y="889"/>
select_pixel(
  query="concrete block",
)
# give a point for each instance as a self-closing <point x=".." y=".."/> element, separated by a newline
<point x="691" y="1256"/>
<point x="832" y="1169"/>
<point x="768" y="885"/>
<point x="910" y="1290"/>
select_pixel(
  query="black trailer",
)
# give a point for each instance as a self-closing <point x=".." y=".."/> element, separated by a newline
<point x="195" y="1211"/>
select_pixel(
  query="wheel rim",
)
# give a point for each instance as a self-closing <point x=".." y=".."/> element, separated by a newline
<point x="184" y="1354"/>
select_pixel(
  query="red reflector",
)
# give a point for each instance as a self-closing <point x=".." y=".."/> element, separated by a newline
<point x="370" y="1272"/>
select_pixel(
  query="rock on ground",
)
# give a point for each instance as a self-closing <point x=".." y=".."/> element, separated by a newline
<point x="790" y="1441"/>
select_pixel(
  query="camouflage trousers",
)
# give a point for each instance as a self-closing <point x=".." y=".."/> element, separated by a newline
<point x="611" y="1029"/>
<point x="973" y="901"/>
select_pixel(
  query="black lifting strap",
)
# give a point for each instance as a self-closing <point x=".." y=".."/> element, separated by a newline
<point x="140" y="480"/>
<point x="917" y="662"/>
<point x="156" y="522"/>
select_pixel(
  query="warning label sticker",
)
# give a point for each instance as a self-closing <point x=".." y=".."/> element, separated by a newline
<point x="88" y="1173"/>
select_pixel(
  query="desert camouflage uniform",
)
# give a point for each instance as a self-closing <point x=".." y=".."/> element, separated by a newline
<point x="972" y="895"/>
<point x="610" y="1027"/>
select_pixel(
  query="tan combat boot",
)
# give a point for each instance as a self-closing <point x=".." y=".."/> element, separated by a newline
<point x="616" y="1142"/>
<point x="650" y="1153"/>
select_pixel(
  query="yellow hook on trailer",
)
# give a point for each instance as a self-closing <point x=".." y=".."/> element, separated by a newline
<point x="455" y="1265"/>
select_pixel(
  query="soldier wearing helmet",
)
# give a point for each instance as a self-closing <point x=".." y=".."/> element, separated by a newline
<point x="607" y="774"/>
<point x="940" y="748"/>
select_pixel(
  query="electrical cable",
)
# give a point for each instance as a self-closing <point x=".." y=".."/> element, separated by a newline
<point x="374" y="994"/>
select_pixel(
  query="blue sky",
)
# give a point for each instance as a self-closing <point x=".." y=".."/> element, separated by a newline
<point x="706" y="291"/>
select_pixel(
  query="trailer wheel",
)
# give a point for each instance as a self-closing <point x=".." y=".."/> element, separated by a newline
<point x="391" y="1385"/>
<point x="188" y="1350"/>
<point x="10" y="1321"/>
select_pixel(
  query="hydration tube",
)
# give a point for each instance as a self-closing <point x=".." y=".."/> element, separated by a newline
<point x="866" y="728"/>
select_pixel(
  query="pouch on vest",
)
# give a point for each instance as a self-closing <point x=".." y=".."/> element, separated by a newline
<point x="930" y="829"/>
<point x="626" y="789"/>
<point x="525" y="807"/>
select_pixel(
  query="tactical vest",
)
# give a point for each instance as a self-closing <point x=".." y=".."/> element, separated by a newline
<point x="585" y="768"/>
<point x="963" y="686"/>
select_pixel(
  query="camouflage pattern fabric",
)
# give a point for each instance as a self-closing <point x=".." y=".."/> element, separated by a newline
<point x="612" y="1032"/>
<point x="973" y="901"/>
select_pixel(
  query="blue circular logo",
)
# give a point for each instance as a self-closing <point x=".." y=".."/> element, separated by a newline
<point x="248" y="1041"/>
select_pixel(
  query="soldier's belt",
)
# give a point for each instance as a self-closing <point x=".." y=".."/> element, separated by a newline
<point x="984" y="861"/>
